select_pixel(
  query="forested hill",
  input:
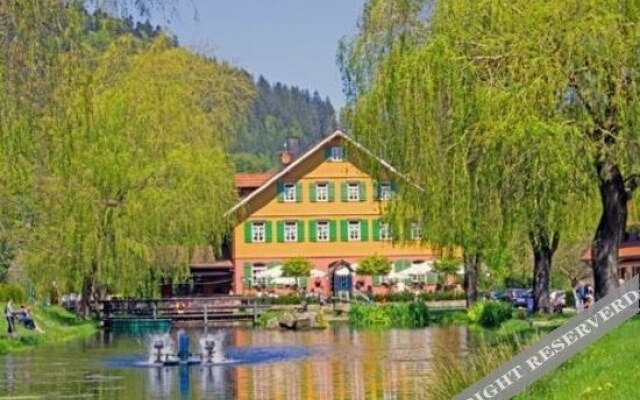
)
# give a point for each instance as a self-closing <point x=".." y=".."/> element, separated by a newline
<point x="278" y="112"/>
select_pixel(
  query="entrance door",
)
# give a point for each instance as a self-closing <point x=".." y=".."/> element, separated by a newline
<point x="342" y="283"/>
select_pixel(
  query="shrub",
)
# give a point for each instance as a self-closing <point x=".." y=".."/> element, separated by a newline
<point x="399" y="315"/>
<point x="490" y="314"/>
<point x="297" y="267"/>
<point x="16" y="293"/>
<point x="288" y="299"/>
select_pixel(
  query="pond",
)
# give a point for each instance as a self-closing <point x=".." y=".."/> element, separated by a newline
<point x="336" y="363"/>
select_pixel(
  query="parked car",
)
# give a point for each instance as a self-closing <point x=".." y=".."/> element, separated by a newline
<point x="499" y="295"/>
<point x="518" y="296"/>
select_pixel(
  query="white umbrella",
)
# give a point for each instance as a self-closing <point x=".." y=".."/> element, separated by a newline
<point x="343" y="271"/>
<point x="270" y="273"/>
<point x="416" y="269"/>
<point x="316" y="273"/>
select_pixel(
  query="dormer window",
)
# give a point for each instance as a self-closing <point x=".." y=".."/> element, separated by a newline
<point x="336" y="154"/>
<point x="386" y="192"/>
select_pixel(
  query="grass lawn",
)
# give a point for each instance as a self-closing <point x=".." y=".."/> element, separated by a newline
<point x="59" y="325"/>
<point x="608" y="369"/>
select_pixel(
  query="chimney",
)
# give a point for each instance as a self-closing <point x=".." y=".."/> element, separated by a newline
<point x="291" y="151"/>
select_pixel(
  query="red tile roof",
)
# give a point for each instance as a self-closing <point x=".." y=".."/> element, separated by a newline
<point x="252" y="180"/>
<point x="625" y="252"/>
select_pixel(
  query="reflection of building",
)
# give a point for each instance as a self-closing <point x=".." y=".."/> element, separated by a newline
<point x="323" y="206"/>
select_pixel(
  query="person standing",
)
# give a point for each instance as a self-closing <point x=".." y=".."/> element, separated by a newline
<point x="9" y="315"/>
<point x="580" y="294"/>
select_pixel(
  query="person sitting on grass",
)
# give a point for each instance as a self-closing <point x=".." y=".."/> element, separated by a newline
<point x="27" y="320"/>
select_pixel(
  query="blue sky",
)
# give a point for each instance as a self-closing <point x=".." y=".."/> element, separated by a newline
<point x="291" y="41"/>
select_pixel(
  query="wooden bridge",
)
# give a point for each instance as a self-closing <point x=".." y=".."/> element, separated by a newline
<point x="185" y="310"/>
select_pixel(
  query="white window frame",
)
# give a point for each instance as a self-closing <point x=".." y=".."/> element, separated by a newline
<point x="290" y="231"/>
<point x="323" y="231"/>
<point x="290" y="194"/>
<point x="354" y="231"/>
<point x="353" y="191"/>
<point x="322" y="192"/>
<point x="386" y="191"/>
<point x="416" y="231"/>
<point x="258" y="232"/>
<point x="336" y="153"/>
<point x="255" y="270"/>
<point x="384" y="232"/>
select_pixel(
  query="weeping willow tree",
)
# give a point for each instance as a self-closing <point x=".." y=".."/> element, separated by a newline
<point x="121" y="152"/>
<point x="496" y="136"/>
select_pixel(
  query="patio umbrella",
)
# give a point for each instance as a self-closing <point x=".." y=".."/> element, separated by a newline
<point x="284" y="280"/>
<point x="270" y="273"/>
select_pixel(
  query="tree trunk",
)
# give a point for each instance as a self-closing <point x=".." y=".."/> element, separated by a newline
<point x="471" y="263"/>
<point x="543" y="250"/>
<point x="84" y="306"/>
<point x="611" y="228"/>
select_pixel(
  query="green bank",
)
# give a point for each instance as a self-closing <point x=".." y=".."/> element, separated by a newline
<point x="59" y="325"/>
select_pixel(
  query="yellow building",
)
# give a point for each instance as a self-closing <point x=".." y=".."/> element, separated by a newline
<point x="325" y="207"/>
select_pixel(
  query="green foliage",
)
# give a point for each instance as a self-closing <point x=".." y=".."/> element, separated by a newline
<point x="247" y="162"/>
<point x="113" y="152"/>
<point x="7" y="254"/>
<point x="374" y="265"/>
<point x="297" y="267"/>
<point x="447" y="266"/>
<point x="399" y="315"/>
<point x="288" y="299"/>
<point x="490" y="314"/>
<point x="12" y="292"/>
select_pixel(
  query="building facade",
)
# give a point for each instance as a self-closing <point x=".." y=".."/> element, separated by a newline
<point x="325" y="207"/>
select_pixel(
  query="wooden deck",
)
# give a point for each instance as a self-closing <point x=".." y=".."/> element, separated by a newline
<point x="186" y="310"/>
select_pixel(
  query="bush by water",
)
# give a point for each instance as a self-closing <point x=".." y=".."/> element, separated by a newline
<point x="490" y="314"/>
<point x="398" y="315"/>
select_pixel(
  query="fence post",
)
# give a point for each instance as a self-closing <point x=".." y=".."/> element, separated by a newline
<point x="255" y="312"/>
<point x="206" y="315"/>
<point x="155" y="310"/>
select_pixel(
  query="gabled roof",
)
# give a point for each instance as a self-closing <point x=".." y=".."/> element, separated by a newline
<point x="300" y="160"/>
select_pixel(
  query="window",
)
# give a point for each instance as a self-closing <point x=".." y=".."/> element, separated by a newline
<point x="354" y="231"/>
<point x="385" y="191"/>
<point x="258" y="232"/>
<point x="322" y="231"/>
<point x="255" y="271"/>
<point x="385" y="231"/>
<point x="416" y="231"/>
<point x="322" y="192"/>
<point x="353" y="191"/>
<point x="337" y="153"/>
<point x="290" y="195"/>
<point x="290" y="231"/>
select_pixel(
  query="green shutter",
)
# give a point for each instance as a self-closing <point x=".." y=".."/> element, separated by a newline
<point x="300" y="231"/>
<point x="247" y="232"/>
<point x="344" y="230"/>
<point x="376" y="230"/>
<point x="268" y="227"/>
<point x="333" y="230"/>
<point x="303" y="281"/>
<point x="327" y="152"/>
<point x="344" y="153"/>
<point x="312" y="192"/>
<point x="364" y="230"/>
<point x="362" y="185"/>
<point x="298" y="192"/>
<point x="332" y="189"/>
<point x="280" y="192"/>
<point x="377" y="280"/>
<point x="376" y="189"/>
<point x="312" y="231"/>
<point x="280" y="233"/>
<point x="343" y="191"/>
<point x="246" y="276"/>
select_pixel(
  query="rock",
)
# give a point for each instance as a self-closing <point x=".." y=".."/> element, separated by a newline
<point x="272" y="323"/>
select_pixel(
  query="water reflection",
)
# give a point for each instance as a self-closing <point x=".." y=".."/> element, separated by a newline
<point x="339" y="364"/>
